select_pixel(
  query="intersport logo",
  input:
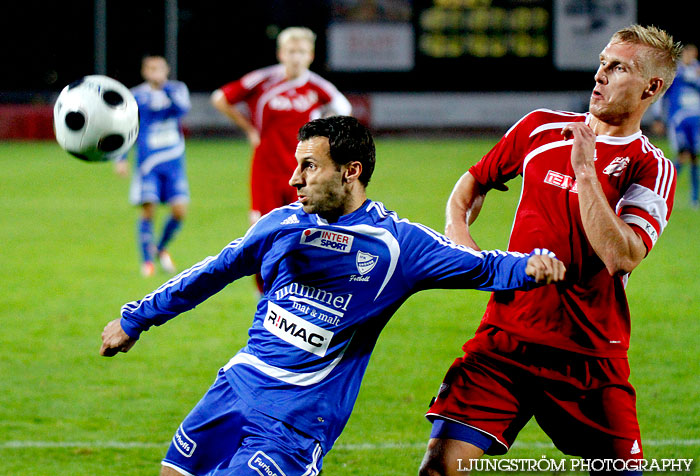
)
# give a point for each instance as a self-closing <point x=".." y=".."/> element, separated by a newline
<point x="327" y="239"/>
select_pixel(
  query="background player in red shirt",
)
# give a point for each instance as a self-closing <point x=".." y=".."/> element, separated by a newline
<point x="280" y="99"/>
<point x="597" y="193"/>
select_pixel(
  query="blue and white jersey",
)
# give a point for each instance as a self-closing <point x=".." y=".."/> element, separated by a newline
<point x="682" y="99"/>
<point x="329" y="290"/>
<point x="160" y="138"/>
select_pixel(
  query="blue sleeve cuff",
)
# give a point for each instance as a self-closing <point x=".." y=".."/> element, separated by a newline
<point x="131" y="329"/>
<point x="529" y="280"/>
<point x="537" y="251"/>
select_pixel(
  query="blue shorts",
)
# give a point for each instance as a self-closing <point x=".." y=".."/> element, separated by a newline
<point x="165" y="183"/>
<point x="222" y="435"/>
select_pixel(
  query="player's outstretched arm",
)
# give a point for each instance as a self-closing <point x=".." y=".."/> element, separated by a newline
<point x="544" y="267"/>
<point x="115" y="340"/>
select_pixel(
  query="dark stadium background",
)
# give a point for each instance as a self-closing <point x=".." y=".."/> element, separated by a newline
<point x="48" y="44"/>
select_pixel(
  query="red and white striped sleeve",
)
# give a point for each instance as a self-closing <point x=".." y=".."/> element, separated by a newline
<point x="646" y="204"/>
<point x="238" y="90"/>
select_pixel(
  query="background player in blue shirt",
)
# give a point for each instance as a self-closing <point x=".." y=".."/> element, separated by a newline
<point x="335" y="266"/>
<point x="679" y="111"/>
<point x="159" y="171"/>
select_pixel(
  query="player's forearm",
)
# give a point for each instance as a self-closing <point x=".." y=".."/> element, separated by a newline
<point x="239" y="119"/>
<point x="182" y="293"/>
<point x="615" y="242"/>
<point x="503" y="271"/>
<point x="220" y="103"/>
<point x="463" y="207"/>
<point x="180" y="100"/>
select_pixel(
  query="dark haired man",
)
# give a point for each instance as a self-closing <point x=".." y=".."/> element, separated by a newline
<point x="335" y="266"/>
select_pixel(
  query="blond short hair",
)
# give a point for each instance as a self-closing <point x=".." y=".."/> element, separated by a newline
<point x="661" y="55"/>
<point x="296" y="33"/>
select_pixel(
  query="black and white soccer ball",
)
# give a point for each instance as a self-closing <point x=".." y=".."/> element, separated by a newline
<point x="96" y="118"/>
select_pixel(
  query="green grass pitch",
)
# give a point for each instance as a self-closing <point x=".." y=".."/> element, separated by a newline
<point x="69" y="261"/>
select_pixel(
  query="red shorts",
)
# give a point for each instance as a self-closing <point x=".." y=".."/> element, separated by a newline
<point x="269" y="192"/>
<point x="585" y="404"/>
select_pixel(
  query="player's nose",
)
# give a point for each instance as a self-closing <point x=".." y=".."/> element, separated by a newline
<point x="599" y="76"/>
<point x="295" y="179"/>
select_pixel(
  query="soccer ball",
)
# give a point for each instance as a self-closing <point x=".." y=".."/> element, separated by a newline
<point x="96" y="118"/>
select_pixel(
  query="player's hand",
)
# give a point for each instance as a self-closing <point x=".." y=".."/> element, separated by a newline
<point x="583" y="150"/>
<point x="544" y="266"/>
<point x="253" y="138"/>
<point x="114" y="339"/>
<point x="121" y="168"/>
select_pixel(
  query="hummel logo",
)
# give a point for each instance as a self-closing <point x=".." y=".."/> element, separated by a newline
<point x="291" y="220"/>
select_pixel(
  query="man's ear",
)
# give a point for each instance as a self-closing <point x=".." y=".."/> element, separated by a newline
<point x="655" y="86"/>
<point x="352" y="172"/>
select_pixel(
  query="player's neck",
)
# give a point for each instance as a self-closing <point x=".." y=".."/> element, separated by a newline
<point x="356" y="202"/>
<point x="353" y="203"/>
<point x="622" y="128"/>
<point x="291" y="74"/>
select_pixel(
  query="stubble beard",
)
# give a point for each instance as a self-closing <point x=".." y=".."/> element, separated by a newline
<point x="330" y="202"/>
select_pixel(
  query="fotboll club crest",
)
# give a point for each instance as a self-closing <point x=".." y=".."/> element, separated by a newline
<point x="365" y="262"/>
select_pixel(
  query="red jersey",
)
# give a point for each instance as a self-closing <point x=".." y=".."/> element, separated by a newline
<point x="588" y="312"/>
<point x="278" y="108"/>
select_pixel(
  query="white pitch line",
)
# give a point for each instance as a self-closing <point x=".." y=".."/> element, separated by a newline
<point x="81" y="444"/>
<point x="517" y="445"/>
<point x="23" y="444"/>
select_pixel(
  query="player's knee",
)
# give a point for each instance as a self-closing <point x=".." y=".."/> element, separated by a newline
<point x="430" y="468"/>
<point x="167" y="471"/>
<point x="433" y="463"/>
<point x="178" y="211"/>
<point x="446" y="457"/>
<point x="435" y="467"/>
<point x="148" y="211"/>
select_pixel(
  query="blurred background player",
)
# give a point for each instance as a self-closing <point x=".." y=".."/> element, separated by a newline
<point x="280" y="99"/>
<point x="159" y="171"/>
<point x="679" y="114"/>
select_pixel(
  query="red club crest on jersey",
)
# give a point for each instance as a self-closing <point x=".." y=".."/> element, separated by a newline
<point x="617" y="166"/>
